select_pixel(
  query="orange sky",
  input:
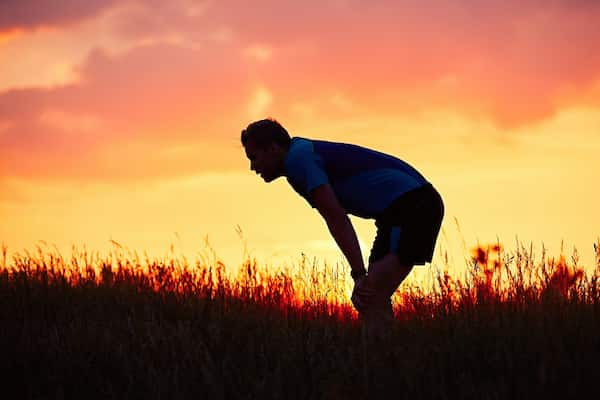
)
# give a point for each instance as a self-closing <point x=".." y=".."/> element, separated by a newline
<point x="121" y="120"/>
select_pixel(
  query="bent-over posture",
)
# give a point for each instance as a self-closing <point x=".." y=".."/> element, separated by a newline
<point x="340" y="179"/>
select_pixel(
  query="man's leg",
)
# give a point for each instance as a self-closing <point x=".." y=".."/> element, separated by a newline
<point x="384" y="277"/>
<point x="372" y="298"/>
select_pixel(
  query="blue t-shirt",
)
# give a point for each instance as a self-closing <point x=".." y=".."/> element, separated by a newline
<point x="365" y="181"/>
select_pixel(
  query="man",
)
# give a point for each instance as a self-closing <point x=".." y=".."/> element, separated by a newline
<point x="340" y="179"/>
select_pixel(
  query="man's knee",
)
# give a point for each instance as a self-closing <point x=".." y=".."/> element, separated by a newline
<point x="387" y="274"/>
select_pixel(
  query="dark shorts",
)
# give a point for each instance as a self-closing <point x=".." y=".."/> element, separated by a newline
<point x="410" y="227"/>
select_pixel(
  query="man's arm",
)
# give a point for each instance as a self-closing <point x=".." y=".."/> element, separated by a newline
<point x="340" y="226"/>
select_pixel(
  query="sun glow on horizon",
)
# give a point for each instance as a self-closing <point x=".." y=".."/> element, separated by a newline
<point x="121" y="121"/>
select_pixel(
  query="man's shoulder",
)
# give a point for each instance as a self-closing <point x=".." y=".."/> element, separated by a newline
<point x="318" y="146"/>
<point x="301" y="157"/>
<point x="299" y="142"/>
<point x="299" y="147"/>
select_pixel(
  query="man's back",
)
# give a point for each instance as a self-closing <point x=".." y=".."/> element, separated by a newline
<point x="365" y="181"/>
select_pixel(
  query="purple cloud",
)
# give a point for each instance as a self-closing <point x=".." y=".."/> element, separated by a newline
<point x="30" y="14"/>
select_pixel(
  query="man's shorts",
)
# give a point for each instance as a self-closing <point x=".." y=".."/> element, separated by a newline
<point x="410" y="227"/>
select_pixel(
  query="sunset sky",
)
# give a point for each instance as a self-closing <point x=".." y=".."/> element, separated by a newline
<point x="121" y="119"/>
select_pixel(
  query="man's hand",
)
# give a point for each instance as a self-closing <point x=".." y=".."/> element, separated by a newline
<point x="362" y="294"/>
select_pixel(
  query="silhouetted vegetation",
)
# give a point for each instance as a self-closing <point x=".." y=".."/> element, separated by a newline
<point x="116" y="326"/>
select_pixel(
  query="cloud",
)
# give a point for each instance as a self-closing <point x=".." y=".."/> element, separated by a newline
<point x="125" y="114"/>
<point x="260" y="53"/>
<point x="80" y="124"/>
<point x="504" y="60"/>
<point x="61" y="48"/>
<point x="31" y="14"/>
<point x="188" y="75"/>
<point x="151" y="18"/>
<point x="259" y="103"/>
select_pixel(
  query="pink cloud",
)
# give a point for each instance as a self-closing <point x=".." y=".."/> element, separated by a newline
<point x="508" y="61"/>
<point x="505" y="60"/>
<point x="149" y="99"/>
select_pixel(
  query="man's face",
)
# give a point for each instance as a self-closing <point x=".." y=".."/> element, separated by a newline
<point x="264" y="161"/>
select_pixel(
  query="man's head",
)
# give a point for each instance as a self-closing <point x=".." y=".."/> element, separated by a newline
<point x="266" y="143"/>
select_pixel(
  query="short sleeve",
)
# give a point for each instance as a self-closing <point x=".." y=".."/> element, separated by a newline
<point x="304" y="169"/>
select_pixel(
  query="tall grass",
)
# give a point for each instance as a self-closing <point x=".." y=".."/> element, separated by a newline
<point x="124" y="326"/>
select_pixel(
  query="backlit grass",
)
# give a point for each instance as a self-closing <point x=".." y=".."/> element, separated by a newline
<point x="124" y="326"/>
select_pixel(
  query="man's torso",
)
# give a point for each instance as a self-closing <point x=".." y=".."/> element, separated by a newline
<point x="364" y="180"/>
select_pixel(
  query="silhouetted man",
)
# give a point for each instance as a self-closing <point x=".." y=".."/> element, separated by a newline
<point x="340" y="179"/>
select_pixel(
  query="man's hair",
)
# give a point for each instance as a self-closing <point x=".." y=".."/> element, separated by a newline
<point x="265" y="132"/>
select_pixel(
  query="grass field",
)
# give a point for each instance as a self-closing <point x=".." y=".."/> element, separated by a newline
<point x="124" y="326"/>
